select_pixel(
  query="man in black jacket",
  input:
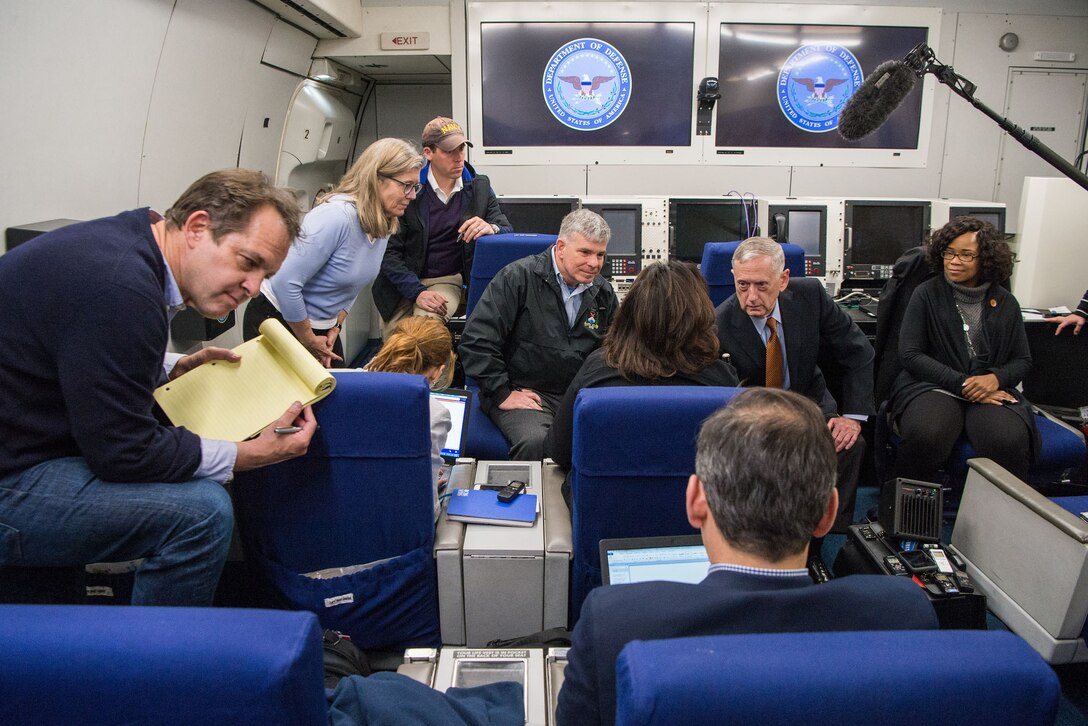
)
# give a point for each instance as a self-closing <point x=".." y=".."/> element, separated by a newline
<point x="533" y="327"/>
<point x="430" y="257"/>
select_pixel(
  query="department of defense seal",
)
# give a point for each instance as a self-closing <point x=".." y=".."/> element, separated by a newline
<point x="587" y="84"/>
<point x="814" y="85"/>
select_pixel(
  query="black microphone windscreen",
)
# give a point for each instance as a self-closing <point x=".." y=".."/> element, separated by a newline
<point x="874" y="101"/>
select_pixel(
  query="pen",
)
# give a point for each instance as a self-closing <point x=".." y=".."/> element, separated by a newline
<point x="288" y="429"/>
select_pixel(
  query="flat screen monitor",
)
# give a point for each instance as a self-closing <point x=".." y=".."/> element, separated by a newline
<point x="624" y="256"/>
<point x="695" y="222"/>
<point x="992" y="215"/>
<point x="538" y="216"/>
<point x="804" y="226"/>
<point x="639" y="559"/>
<point x="785" y="85"/>
<point x="578" y="84"/>
<point x="877" y="233"/>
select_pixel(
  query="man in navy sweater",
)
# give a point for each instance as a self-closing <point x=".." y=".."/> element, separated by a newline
<point x="88" y="473"/>
<point x="430" y="257"/>
<point x="764" y="485"/>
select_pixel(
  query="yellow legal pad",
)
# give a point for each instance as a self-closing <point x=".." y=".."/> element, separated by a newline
<point x="234" y="401"/>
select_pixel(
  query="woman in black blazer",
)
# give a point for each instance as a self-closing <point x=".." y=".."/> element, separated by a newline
<point x="963" y="351"/>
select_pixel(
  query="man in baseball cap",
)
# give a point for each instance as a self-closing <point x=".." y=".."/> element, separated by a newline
<point x="444" y="133"/>
<point x="428" y="260"/>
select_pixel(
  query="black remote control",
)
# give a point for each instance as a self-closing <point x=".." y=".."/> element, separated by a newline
<point x="511" y="490"/>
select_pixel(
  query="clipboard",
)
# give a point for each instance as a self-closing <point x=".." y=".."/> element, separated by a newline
<point x="236" y="401"/>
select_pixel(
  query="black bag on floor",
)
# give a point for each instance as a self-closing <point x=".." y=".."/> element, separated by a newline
<point x="342" y="658"/>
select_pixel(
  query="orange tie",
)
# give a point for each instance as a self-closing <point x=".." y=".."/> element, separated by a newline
<point x="774" y="357"/>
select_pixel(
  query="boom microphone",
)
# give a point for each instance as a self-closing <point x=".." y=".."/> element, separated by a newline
<point x="875" y="99"/>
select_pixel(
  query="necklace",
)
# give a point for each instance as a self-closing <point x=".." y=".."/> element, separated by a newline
<point x="966" y="332"/>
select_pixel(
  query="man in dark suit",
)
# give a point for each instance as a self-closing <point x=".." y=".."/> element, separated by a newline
<point x="763" y="486"/>
<point x="802" y="319"/>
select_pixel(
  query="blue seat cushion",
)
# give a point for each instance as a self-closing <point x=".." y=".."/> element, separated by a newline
<point x="483" y="440"/>
<point x="935" y="677"/>
<point x="634" y="449"/>
<point x="63" y="664"/>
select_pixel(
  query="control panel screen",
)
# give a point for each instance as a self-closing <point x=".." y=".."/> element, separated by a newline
<point x="878" y="233"/>
<point x="804" y="230"/>
<point x="698" y="221"/>
<point x="624" y="256"/>
<point x="537" y="216"/>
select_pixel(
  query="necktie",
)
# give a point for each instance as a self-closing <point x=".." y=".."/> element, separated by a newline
<point x="774" y="357"/>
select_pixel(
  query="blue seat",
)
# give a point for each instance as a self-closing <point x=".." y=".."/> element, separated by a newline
<point x="361" y="496"/>
<point x="717" y="267"/>
<point x="482" y="439"/>
<point x="634" y="449"/>
<point x="71" y="664"/>
<point x="495" y="252"/>
<point x="1062" y="452"/>
<point x="891" y="677"/>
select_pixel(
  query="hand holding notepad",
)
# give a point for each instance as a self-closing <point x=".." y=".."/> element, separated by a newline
<point x="234" y="401"/>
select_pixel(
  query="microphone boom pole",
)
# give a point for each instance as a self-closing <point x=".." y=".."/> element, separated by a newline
<point x="922" y="60"/>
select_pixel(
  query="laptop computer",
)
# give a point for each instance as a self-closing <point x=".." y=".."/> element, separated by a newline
<point x="638" y="559"/>
<point x="459" y="403"/>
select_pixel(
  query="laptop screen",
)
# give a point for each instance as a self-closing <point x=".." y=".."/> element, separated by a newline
<point x="675" y="559"/>
<point x="457" y="401"/>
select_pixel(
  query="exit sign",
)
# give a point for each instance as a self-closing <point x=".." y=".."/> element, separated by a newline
<point x="406" y="41"/>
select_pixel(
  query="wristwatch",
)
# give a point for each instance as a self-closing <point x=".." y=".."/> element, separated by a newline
<point x="339" y="325"/>
<point x="495" y="228"/>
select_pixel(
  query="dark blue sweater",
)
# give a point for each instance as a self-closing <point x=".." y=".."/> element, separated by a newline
<point x="83" y="330"/>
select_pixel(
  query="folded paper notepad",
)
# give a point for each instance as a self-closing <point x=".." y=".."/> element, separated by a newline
<point x="234" y="401"/>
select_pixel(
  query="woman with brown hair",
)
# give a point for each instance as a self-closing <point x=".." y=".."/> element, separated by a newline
<point x="963" y="349"/>
<point x="422" y="346"/>
<point x="663" y="335"/>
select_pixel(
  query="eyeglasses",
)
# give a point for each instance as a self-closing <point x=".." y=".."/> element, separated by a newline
<point x="965" y="256"/>
<point x="409" y="187"/>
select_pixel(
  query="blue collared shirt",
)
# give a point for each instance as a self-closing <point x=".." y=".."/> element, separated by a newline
<point x="765" y="335"/>
<point x="572" y="296"/>
<point x="766" y="572"/>
<point x="217" y="458"/>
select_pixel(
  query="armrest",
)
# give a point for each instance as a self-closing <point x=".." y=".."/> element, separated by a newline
<point x="1050" y="417"/>
<point x="449" y="540"/>
<point x="1068" y="524"/>
<point x="451" y="535"/>
<point x="557" y="527"/>
<point x="448" y="535"/>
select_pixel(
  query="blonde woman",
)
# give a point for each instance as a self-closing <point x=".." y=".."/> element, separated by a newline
<point x="340" y="250"/>
<point x="422" y="346"/>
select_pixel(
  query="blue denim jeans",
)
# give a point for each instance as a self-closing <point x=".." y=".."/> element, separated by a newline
<point x="59" y="514"/>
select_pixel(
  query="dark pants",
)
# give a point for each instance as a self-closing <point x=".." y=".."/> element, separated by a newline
<point x="525" y="428"/>
<point x="849" y="470"/>
<point x="260" y="309"/>
<point x="932" y="422"/>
